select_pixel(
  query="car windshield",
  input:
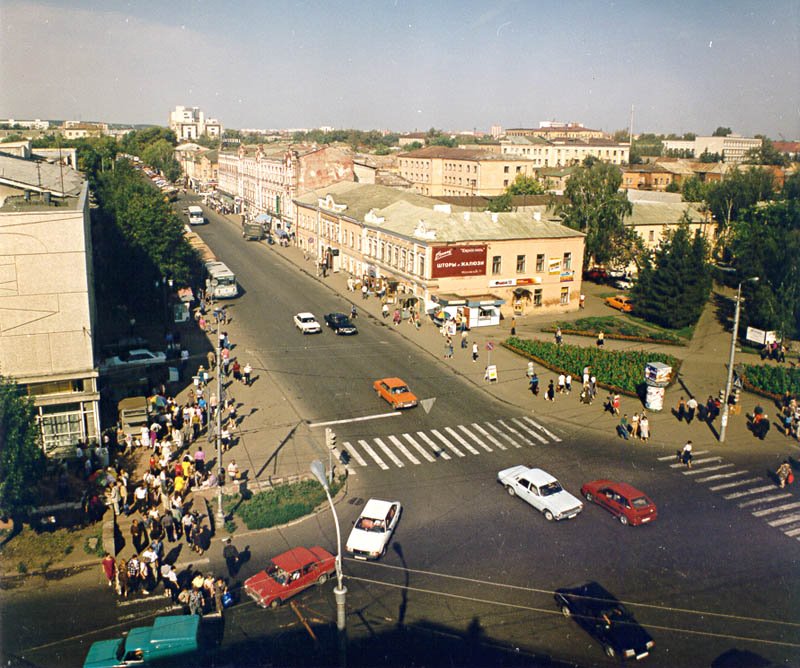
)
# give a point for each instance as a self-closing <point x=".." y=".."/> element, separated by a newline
<point x="551" y="488"/>
<point x="278" y="574"/>
<point x="400" y="389"/>
<point x="640" y="502"/>
<point x="368" y="524"/>
<point x="307" y="319"/>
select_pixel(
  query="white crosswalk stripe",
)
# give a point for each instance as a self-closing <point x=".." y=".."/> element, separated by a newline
<point x="706" y="468"/>
<point x="447" y="443"/>
<point x="355" y="454"/>
<point x="373" y="454"/>
<point x="488" y="436"/>
<point x="419" y="448"/>
<point x="695" y="462"/>
<point x="439" y="452"/>
<point x="475" y="438"/>
<point x="749" y="492"/>
<point x="541" y="428"/>
<point x="777" y="509"/>
<point x="793" y="532"/>
<point x="673" y="457"/>
<point x="527" y="429"/>
<point x="762" y="500"/>
<point x="784" y="520"/>
<point x="728" y="485"/>
<point x="388" y="452"/>
<point x="502" y="434"/>
<point x="460" y="440"/>
<point x="401" y="446"/>
<point x="721" y="476"/>
<point x="517" y="434"/>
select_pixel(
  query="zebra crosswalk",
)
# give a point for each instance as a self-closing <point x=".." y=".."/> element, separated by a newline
<point x="417" y="448"/>
<point x="757" y="495"/>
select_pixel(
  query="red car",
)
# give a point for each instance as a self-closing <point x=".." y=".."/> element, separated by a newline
<point x="289" y="574"/>
<point x="624" y="501"/>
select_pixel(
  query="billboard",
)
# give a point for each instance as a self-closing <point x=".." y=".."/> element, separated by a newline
<point x="450" y="261"/>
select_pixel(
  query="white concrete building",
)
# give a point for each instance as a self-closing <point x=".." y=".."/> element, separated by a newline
<point x="189" y="123"/>
<point x="564" y="152"/>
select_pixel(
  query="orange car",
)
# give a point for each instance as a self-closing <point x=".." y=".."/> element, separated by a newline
<point x="396" y="392"/>
<point x="620" y="302"/>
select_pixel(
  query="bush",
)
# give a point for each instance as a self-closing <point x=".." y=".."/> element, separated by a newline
<point x="622" y="370"/>
<point x="616" y="328"/>
<point x="774" y="380"/>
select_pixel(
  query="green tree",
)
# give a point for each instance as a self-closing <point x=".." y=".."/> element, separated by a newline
<point x="525" y="185"/>
<point x="766" y="154"/>
<point x="739" y="190"/>
<point x="500" y="203"/>
<point x="708" y="158"/>
<point x="721" y="132"/>
<point x="673" y="288"/>
<point x="413" y="146"/>
<point x="22" y="461"/>
<point x="693" y="190"/>
<point x="594" y="205"/>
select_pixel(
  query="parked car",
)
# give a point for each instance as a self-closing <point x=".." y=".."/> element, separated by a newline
<point x="623" y="284"/>
<point x="136" y="357"/>
<point x="604" y="618"/>
<point x="541" y="490"/>
<point x="622" y="500"/>
<point x="307" y="323"/>
<point x="289" y="574"/>
<point x="620" y="302"/>
<point x="341" y="324"/>
<point x="396" y="392"/>
<point x="597" y="274"/>
<point x="373" y="529"/>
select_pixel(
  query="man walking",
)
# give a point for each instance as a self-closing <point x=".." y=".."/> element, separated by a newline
<point x="231" y="555"/>
<point x="474" y="352"/>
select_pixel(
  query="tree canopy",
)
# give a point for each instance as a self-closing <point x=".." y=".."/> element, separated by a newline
<point x="721" y="132"/>
<point x="593" y="204"/>
<point x="739" y="190"/>
<point x="525" y="185"/>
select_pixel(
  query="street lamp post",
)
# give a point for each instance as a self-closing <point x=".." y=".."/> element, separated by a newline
<point x="340" y="592"/>
<point x="734" y="336"/>
<point x="220" y="470"/>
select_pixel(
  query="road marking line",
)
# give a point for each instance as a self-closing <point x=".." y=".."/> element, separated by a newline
<point x="397" y="461"/>
<point x="419" y="448"/>
<point x="541" y="428"/>
<point x="793" y="532"/>
<point x="707" y="468"/>
<point x="373" y="454"/>
<point x="434" y="446"/>
<point x="522" y="425"/>
<point x="728" y="485"/>
<point x="722" y="476"/>
<point x="503" y="434"/>
<point x="516" y="432"/>
<point x="697" y="461"/>
<point x="486" y="434"/>
<point x="784" y="520"/>
<point x="312" y="425"/>
<point x="668" y="457"/>
<point x="777" y="509"/>
<point x="456" y="436"/>
<point x="475" y="438"/>
<point x="765" y="499"/>
<point x="401" y="446"/>
<point x="438" y="435"/>
<point x="750" y="492"/>
<point x="354" y="454"/>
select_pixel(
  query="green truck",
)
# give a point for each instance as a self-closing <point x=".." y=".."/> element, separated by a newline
<point x="169" y="637"/>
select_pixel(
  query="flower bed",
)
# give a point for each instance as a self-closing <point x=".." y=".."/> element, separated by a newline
<point x="618" y="370"/>
<point x="614" y="328"/>
<point x="771" y="381"/>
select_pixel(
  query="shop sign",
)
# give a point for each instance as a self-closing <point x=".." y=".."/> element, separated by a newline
<point x="567" y="276"/>
<point x="458" y="261"/>
<point x="503" y="283"/>
<point x="554" y="265"/>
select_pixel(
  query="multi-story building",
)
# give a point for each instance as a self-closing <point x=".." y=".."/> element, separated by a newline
<point x="732" y="148"/>
<point x="648" y="176"/>
<point x="47" y="309"/>
<point x="558" y="130"/>
<point x="421" y="248"/>
<point x="653" y="215"/>
<point x="564" y="152"/>
<point x="79" y="130"/>
<point x="441" y="171"/>
<point x="267" y="179"/>
<point x="189" y="123"/>
<point x="199" y="165"/>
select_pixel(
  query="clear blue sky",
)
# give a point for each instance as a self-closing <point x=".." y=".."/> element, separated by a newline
<point x="403" y="65"/>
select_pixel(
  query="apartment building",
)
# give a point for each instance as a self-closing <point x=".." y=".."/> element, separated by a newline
<point x="732" y="148"/>
<point x="199" y="165"/>
<point x="437" y="171"/>
<point x="47" y="309"/>
<point x="558" y="130"/>
<point x="441" y="254"/>
<point x="563" y="152"/>
<point x="189" y="123"/>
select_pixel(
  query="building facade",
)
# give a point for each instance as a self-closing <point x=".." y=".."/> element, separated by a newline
<point x="732" y="148"/>
<point x="558" y="130"/>
<point x="47" y="309"/>
<point x="564" y="152"/>
<point x="189" y="123"/>
<point x="506" y="262"/>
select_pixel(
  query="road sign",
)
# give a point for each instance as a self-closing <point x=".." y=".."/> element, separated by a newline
<point x="489" y="346"/>
<point x="427" y="404"/>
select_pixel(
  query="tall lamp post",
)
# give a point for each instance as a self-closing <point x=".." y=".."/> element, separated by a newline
<point x="734" y="336"/>
<point x="340" y="592"/>
<point x="220" y="470"/>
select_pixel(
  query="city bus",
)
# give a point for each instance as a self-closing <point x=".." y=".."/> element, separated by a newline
<point x="220" y="281"/>
<point x="196" y="216"/>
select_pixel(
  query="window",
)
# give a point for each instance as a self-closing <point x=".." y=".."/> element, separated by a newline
<point x="567" y="264"/>
<point x="564" y="296"/>
<point x="505" y="169"/>
<point x="421" y="259"/>
<point x="652" y="236"/>
<point x="519" y="169"/>
<point x="537" y="296"/>
<point x="496" y="264"/>
<point x="505" y="183"/>
<point x="520" y="264"/>
<point x="540" y="262"/>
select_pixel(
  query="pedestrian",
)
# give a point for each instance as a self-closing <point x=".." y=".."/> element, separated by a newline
<point x="784" y="473"/>
<point x="568" y="383"/>
<point x="600" y="339"/>
<point x="236" y="370"/>
<point x="396" y="317"/>
<point x="691" y="407"/>
<point x="134" y="573"/>
<point x="562" y="383"/>
<point x="109" y="568"/>
<point x="529" y="370"/>
<point x="551" y="392"/>
<point x="385" y="310"/>
<point x="464" y="339"/>
<point x="635" y="425"/>
<point x="231" y="555"/>
<point x="449" y="347"/>
<point x="559" y="337"/>
<point x="196" y="602"/>
<point x="122" y="578"/>
<point x="233" y="470"/>
<point x="474" y="351"/>
<point x="115" y="497"/>
<point x="582" y="302"/>
<point x="644" y="427"/>
<point x="622" y="427"/>
<point x="168" y="525"/>
<point x="615" y="400"/>
<point x="212" y="359"/>
<point x="534" y="384"/>
<point x="685" y="456"/>
<point x="138" y="535"/>
<point x="364" y="291"/>
<point x="247" y="371"/>
<point x="681" y="411"/>
<point x="513" y="326"/>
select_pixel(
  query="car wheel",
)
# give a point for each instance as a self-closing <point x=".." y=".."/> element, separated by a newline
<point x="275" y="603"/>
<point x="589" y="496"/>
<point x="566" y="611"/>
<point x="623" y="520"/>
<point x="510" y="490"/>
<point x="322" y="579"/>
<point x="548" y="516"/>
<point x="610" y="651"/>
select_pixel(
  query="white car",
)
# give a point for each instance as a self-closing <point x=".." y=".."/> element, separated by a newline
<point x="138" y="357"/>
<point x="623" y="284"/>
<point x="307" y="323"/>
<point x="373" y="529"/>
<point x="541" y="490"/>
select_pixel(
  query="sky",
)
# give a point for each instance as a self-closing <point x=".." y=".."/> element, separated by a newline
<point x="402" y="65"/>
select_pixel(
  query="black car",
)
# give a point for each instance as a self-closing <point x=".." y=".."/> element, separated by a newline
<point x="604" y="618"/>
<point x="341" y="324"/>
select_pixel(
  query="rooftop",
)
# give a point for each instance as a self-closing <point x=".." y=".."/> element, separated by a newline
<point x="662" y="213"/>
<point x="43" y="178"/>
<point x="447" y="153"/>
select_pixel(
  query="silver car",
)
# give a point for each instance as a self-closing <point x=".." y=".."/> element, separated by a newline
<point x="541" y="490"/>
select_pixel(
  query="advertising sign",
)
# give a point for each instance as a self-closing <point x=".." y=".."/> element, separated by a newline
<point x="458" y="261"/>
<point x="567" y="276"/>
<point x="554" y="265"/>
<point x="760" y="336"/>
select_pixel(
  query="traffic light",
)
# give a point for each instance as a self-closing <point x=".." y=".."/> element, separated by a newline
<point x="330" y="438"/>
